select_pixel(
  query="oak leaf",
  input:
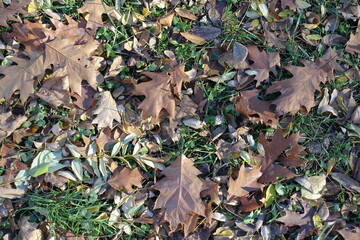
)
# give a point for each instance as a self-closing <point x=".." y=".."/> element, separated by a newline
<point x="6" y="13"/>
<point x="126" y="178"/>
<point x="77" y="59"/>
<point x="106" y="111"/>
<point x="95" y="9"/>
<point x="180" y="193"/>
<point x="45" y="50"/>
<point x="303" y="220"/>
<point x="160" y="93"/>
<point x="273" y="150"/>
<point x="263" y="63"/>
<point x="245" y="183"/>
<point x="297" y="93"/>
<point x="21" y="76"/>
<point x="255" y="109"/>
<point x="353" y="45"/>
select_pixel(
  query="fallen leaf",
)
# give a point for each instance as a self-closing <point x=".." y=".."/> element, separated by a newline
<point x="206" y="32"/>
<point x="273" y="150"/>
<point x="126" y="178"/>
<point x="303" y="220"/>
<point x="349" y="183"/>
<point x="9" y="123"/>
<point x="317" y="185"/>
<point x="106" y="111"/>
<point x="95" y="9"/>
<point x="55" y="90"/>
<point x="245" y="183"/>
<point x="185" y="13"/>
<point x="16" y="6"/>
<point x="297" y="93"/>
<point x="355" y="162"/>
<point x="11" y="193"/>
<point x="255" y="109"/>
<point x="353" y="45"/>
<point x="166" y="20"/>
<point x="180" y="193"/>
<point x="167" y="86"/>
<point x="263" y="63"/>
<point x="350" y="234"/>
<point x="193" y="38"/>
<point x="28" y="230"/>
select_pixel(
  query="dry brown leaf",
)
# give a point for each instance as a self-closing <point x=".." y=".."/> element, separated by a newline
<point x="166" y="20"/>
<point x="273" y="150"/>
<point x="350" y="234"/>
<point x="303" y="220"/>
<point x="126" y="178"/>
<point x="167" y="86"/>
<point x="355" y="116"/>
<point x="85" y="99"/>
<point x="6" y="13"/>
<point x="106" y="111"/>
<point x="9" y="123"/>
<point x="353" y="45"/>
<point x="95" y="9"/>
<point x="297" y="93"/>
<point x="11" y="193"/>
<point x="263" y="63"/>
<point x="245" y="183"/>
<point x="55" y="90"/>
<point x="62" y="53"/>
<point x="21" y="76"/>
<point x="255" y="109"/>
<point x="185" y="13"/>
<point x="284" y="4"/>
<point x="193" y="38"/>
<point x="45" y="50"/>
<point x="28" y="230"/>
<point x="180" y="193"/>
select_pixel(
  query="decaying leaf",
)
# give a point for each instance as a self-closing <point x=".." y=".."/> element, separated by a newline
<point x="11" y="193"/>
<point x="263" y="63"/>
<point x="303" y="220"/>
<point x="346" y="181"/>
<point x="126" y="178"/>
<point x="297" y="93"/>
<point x="180" y="193"/>
<point x="273" y="149"/>
<point x="106" y="111"/>
<point x="16" y="6"/>
<point x="9" y="123"/>
<point x="193" y="38"/>
<point x="167" y="86"/>
<point x="245" y="183"/>
<point x="353" y="45"/>
<point x="255" y="109"/>
<point x="55" y="90"/>
<point x="95" y="9"/>
<point x="350" y="234"/>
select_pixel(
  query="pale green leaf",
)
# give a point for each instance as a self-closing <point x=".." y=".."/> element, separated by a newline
<point x="270" y="195"/>
<point x="77" y="168"/>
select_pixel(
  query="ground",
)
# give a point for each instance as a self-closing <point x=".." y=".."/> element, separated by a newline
<point x="181" y="119"/>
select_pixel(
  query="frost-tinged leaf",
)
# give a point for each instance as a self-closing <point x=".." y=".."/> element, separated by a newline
<point x="76" y="166"/>
<point x="102" y="168"/>
<point x="106" y="111"/>
<point x="302" y="4"/>
<point x="116" y="149"/>
<point x="46" y="162"/>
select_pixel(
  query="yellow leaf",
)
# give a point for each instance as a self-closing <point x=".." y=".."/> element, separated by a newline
<point x="32" y="7"/>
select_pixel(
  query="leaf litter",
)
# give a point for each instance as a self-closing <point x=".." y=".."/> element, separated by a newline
<point x="182" y="115"/>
